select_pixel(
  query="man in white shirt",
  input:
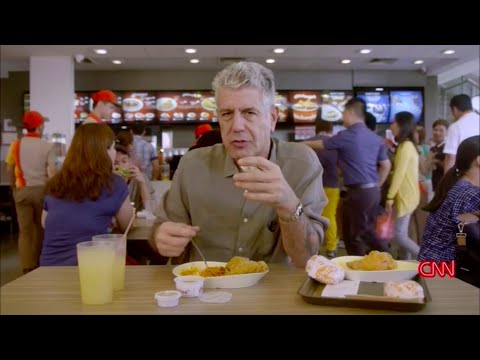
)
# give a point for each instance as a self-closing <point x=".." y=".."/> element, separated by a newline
<point x="467" y="124"/>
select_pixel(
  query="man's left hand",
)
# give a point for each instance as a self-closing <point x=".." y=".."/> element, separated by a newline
<point x="266" y="185"/>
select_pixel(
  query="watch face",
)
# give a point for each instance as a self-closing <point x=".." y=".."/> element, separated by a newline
<point x="298" y="212"/>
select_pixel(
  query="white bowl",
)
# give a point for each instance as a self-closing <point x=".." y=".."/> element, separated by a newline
<point x="221" y="282"/>
<point x="405" y="271"/>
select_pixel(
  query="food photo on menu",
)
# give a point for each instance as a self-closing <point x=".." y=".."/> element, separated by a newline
<point x="333" y="104"/>
<point x="186" y="106"/>
<point x="304" y="106"/>
<point x="139" y="106"/>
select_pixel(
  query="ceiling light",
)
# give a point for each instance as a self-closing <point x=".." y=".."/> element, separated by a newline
<point x="418" y="62"/>
<point x="346" y="61"/>
<point x="365" y="51"/>
<point x="448" y="52"/>
<point x="117" y="62"/>
<point x="279" y="51"/>
<point x="194" y="61"/>
<point x="378" y="89"/>
<point x="100" y="51"/>
<point x="270" y="61"/>
<point x="190" y="51"/>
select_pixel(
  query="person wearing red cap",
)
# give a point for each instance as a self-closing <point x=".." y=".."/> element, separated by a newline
<point x="104" y="104"/>
<point x="30" y="163"/>
<point x="202" y="129"/>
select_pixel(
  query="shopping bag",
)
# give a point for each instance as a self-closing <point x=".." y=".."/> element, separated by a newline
<point x="384" y="226"/>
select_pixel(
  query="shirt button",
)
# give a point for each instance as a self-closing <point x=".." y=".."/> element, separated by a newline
<point x="245" y="220"/>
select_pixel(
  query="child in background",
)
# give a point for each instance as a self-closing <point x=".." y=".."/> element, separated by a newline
<point x="139" y="186"/>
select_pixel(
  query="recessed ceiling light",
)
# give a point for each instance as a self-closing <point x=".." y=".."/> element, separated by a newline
<point x="448" y="52"/>
<point x="190" y="51"/>
<point x="365" y="51"/>
<point x="194" y="61"/>
<point x="418" y="62"/>
<point x="346" y="61"/>
<point x="270" y="61"/>
<point x="378" y="89"/>
<point x="279" y="51"/>
<point x="100" y="51"/>
<point x="117" y="62"/>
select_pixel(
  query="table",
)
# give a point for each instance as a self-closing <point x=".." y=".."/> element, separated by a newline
<point x="56" y="290"/>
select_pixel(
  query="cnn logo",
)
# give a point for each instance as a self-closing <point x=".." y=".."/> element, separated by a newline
<point x="430" y="269"/>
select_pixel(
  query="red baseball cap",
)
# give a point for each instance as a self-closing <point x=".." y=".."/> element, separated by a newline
<point x="105" y="95"/>
<point x="32" y="120"/>
<point x="202" y="129"/>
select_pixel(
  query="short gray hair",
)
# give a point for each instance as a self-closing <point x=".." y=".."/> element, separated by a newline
<point x="247" y="74"/>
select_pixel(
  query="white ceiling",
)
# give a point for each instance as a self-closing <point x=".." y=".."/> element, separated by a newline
<point x="296" y="57"/>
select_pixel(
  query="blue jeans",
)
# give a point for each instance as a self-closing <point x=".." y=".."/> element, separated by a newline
<point x="407" y="248"/>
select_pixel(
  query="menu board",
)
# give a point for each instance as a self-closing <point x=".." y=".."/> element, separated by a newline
<point x="406" y="100"/>
<point x="186" y="106"/>
<point x="281" y="103"/>
<point x="304" y="132"/>
<point x="304" y="106"/>
<point x="333" y="104"/>
<point x="378" y="103"/>
<point x="82" y="106"/>
<point x="139" y="106"/>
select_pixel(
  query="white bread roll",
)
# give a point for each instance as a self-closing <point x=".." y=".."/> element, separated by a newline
<point x="324" y="271"/>
<point x="406" y="289"/>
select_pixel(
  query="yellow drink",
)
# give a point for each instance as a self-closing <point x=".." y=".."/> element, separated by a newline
<point x="119" y="271"/>
<point x="120" y="244"/>
<point x="95" y="267"/>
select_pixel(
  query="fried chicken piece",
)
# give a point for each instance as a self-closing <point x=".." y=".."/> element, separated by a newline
<point x="376" y="260"/>
<point x="242" y="265"/>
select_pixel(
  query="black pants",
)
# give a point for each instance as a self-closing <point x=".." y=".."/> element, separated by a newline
<point x="360" y="209"/>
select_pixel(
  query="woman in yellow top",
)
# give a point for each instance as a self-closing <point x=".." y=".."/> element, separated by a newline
<point x="404" y="192"/>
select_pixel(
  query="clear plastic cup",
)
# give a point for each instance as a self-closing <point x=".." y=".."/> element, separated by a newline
<point x="95" y="267"/>
<point x="120" y="243"/>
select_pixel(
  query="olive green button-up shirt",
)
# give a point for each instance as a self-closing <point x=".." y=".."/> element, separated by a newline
<point x="203" y="194"/>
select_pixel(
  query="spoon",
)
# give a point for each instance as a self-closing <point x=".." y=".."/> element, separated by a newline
<point x="200" y="252"/>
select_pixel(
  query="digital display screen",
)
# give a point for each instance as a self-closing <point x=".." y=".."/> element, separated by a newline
<point x="378" y="103"/>
<point x="406" y="100"/>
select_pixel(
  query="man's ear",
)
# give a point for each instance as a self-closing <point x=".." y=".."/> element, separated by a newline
<point x="274" y="118"/>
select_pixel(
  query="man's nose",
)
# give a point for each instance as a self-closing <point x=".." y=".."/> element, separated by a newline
<point x="238" y="121"/>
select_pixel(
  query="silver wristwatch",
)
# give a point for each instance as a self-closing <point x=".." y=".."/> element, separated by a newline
<point x="296" y="214"/>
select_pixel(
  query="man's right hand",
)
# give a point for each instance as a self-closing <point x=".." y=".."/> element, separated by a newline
<point x="171" y="238"/>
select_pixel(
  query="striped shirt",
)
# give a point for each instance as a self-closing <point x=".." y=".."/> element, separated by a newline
<point x="439" y="240"/>
<point x="143" y="155"/>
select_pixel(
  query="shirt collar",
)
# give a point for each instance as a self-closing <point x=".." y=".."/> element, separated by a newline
<point x="357" y="125"/>
<point x="230" y="168"/>
<point x="95" y="117"/>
